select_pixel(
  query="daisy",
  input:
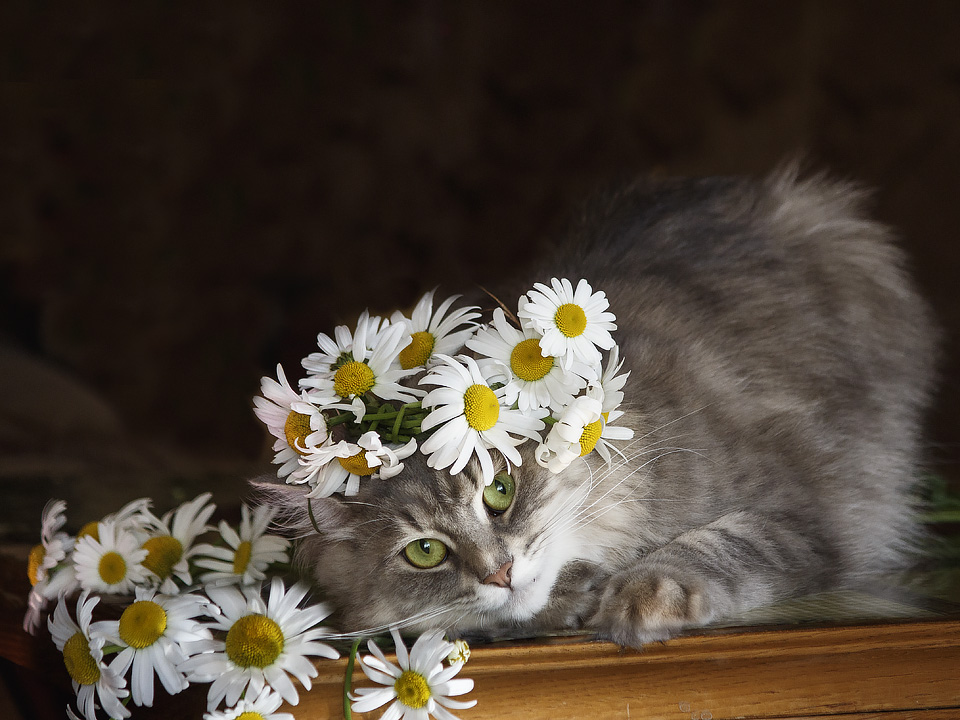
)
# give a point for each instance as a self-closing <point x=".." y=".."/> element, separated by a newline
<point x="135" y="516"/>
<point x="536" y="380"/>
<point x="574" y="323"/>
<point x="113" y="564"/>
<point x="249" y="552"/>
<point x="262" y="707"/>
<point x="576" y="432"/>
<point x="264" y="641"/>
<point x="155" y="632"/>
<point x="93" y="680"/>
<point x="339" y="349"/>
<point x="295" y="420"/>
<point x="433" y="333"/>
<point x="54" y="544"/>
<point x="46" y="580"/>
<point x="471" y="418"/>
<point x="363" y="370"/>
<point x="171" y="545"/>
<point x="368" y="458"/>
<point x="611" y="386"/>
<point x="460" y="653"/>
<point x="418" y="684"/>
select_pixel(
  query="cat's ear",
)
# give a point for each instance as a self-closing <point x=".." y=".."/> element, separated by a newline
<point x="300" y="516"/>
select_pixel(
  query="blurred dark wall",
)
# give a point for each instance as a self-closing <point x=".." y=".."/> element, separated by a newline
<point x="188" y="197"/>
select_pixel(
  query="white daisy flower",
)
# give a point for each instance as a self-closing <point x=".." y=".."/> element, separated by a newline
<point x="433" y="333"/>
<point x="113" y="564"/>
<point x="263" y="707"/>
<point x="46" y="580"/>
<point x="54" y="544"/>
<point x="574" y="323"/>
<point x="134" y="516"/>
<point x="339" y="349"/>
<point x="264" y="641"/>
<point x="537" y="380"/>
<point x="171" y="544"/>
<point x="611" y="386"/>
<point x="368" y="370"/>
<point x="156" y="632"/>
<point x="460" y="653"/>
<point x="93" y="680"/>
<point x="249" y="552"/>
<point x="575" y="433"/>
<point x="295" y="420"/>
<point x="418" y="684"/>
<point x="369" y="457"/>
<point x="471" y="418"/>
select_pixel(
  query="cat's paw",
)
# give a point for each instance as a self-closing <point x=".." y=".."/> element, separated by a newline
<point x="642" y="606"/>
<point x="573" y="598"/>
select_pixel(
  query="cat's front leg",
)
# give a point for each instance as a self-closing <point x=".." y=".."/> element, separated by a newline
<point x="740" y="561"/>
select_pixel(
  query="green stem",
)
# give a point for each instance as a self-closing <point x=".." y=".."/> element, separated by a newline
<point x="339" y="419"/>
<point x="348" y="680"/>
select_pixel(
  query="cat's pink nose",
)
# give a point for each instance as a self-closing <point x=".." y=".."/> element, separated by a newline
<point x="501" y="578"/>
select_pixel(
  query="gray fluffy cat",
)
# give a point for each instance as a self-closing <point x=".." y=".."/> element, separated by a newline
<point x="780" y="362"/>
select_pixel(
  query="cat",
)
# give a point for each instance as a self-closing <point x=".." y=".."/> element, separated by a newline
<point x="780" y="365"/>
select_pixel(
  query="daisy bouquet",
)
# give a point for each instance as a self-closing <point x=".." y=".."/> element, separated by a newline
<point x="175" y="610"/>
<point x="441" y="383"/>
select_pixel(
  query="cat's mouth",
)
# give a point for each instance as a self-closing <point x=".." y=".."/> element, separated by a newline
<point x="520" y="600"/>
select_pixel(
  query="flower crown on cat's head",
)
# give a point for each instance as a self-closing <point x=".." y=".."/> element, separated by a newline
<point x="538" y="376"/>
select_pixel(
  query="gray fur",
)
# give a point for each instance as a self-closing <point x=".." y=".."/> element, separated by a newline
<point x="780" y="364"/>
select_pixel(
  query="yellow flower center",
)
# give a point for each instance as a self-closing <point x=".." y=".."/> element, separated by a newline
<point x="589" y="437"/>
<point x="254" y="641"/>
<point x="142" y="624"/>
<point x="296" y="428"/>
<point x="242" y="557"/>
<point x="113" y="568"/>
<point x="353" y="378"/>
<point x="570" y="319"/>
<point x="480" y="407"/>
<point x="162" y="554"/>
<point x="80" y="664"/>
<point x="412" y="689"/>
<point x="527" y="361"/>
<point x="92" y="529"/>
<point x="249" y="715"/>
<point x="37" y="553"/>
<point x="418" y="351"/>
<point x="356" y="464"/>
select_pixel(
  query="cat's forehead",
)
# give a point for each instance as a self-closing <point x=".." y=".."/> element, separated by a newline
<point x="419" y="484"/>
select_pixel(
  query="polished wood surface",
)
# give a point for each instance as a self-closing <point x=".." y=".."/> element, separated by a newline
<point x="874" y="670"/>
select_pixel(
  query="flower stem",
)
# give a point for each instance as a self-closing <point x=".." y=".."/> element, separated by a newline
<point x="348" y="680"/>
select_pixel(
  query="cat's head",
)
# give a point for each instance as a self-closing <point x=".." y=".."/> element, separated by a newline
<point x="428" y="549"/>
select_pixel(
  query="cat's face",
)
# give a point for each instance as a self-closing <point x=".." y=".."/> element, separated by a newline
<point x="429" y="549"/>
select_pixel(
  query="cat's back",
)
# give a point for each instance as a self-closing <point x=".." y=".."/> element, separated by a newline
<point x="771" y="330"/>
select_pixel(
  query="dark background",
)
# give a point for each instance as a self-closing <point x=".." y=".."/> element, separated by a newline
<point x="187" y="196"/>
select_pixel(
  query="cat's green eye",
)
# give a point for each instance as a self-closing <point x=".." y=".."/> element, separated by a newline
<point x="425" y="553"/>
<point x="498" y="495"/>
